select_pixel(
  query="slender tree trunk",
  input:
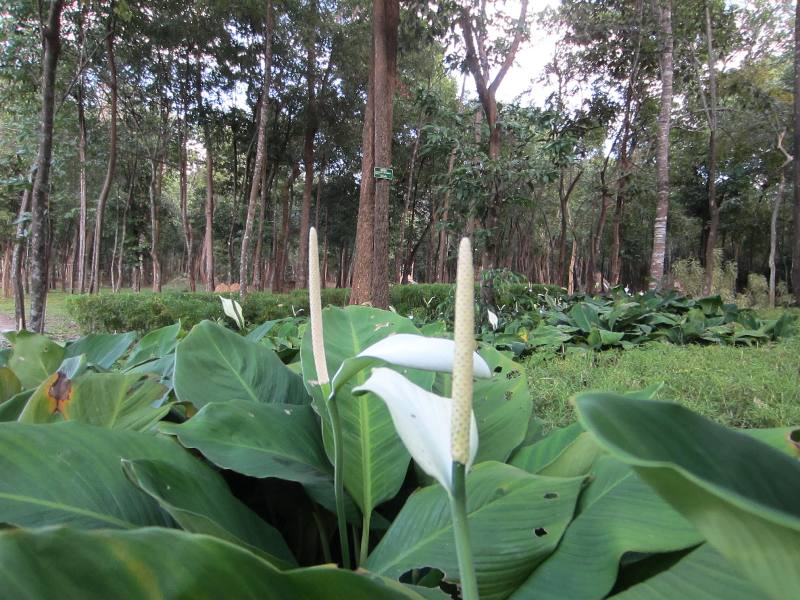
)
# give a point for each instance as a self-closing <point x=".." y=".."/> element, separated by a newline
<point x="320" y="185"/>
<point x="362" y="268"/>
<point x="188" y="234"/>
<point x="308" y="148"/>
<point x="662" y="149"/>
<point x="259" y="277"/>
<point x="441" y="253"/>
<point x="713" y="209"/>
<point x="51" y="35"/>
<point x="282" y="249"/>
<point x="17" y="279"/>
<point x="112" y="163"/>
<point x="82" y="154"/>
<point x="7" y="271"/>
<point x="208" y="235"/>
<point x="773" y="224"/>
<point x="260" y="161"/>
<point x="796" y="207"/>
<point x="121" y="256"/>
<point x="403" y="243"/>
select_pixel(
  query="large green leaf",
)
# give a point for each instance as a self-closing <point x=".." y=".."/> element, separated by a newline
<point x="125" y="401"/>
<point x="166" y="564"/>
<point x="34" y="357"/>
<point x="703" y="574"/>
<point x="9" y="384"/>
<point x="618" y="514"/>
<point x="375" y="460"/>
<point x="70" y="473"/>
<point x="155" y="344"/>
<point x="261" y="440"/>
<point x="12" y="408"/>
<point x="201" y="502"/>
<point x="741" y="494"/>
<point x="537" y="456"/>
<point x="101" y="349"/>
<point x="516" y="520"/>
<point x="214" y="364"/>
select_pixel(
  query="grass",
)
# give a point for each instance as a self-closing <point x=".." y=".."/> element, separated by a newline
<point x="737" y="386"/>
<point x="58" y="324"/>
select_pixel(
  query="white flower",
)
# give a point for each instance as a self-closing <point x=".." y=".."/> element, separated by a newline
<point x="233" y="310"/>
<point x="493" y="320"/>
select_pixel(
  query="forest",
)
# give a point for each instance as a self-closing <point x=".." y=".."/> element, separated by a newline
<point x="158" y="144"/>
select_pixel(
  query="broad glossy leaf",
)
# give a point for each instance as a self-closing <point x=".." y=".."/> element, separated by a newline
<point x="167" y="564"/>
<point x="261" y="440"/>
<point x="155" y="344"/>
<point x="703" y="574"/>
<point x="516" y="520"/>
<point x="536" y="457"/>
<point x="70" y="473"/>
<point x="101" y="349"/>
<point x="375" y="460"/>
<point x="741" y="494"/>
<point x="117" y="400"/>
<point x="584" y="315"/>
<point x="9" y="384"/>
<point x="200" y="502"/>
<point x="214" y="364"/>
<point x="34" y="357"/>
<point x="617" y="514"/>
<point x="12" y="408"/>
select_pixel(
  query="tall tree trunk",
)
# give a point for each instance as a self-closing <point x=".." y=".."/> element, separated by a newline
<point x="773" y="224"/>
<point x="308" y="147"/>
<point x="82" y="153"/>
<point x="51" y="35"/>
<point x="188" y="234"/>
<point x="259" y="277"/>
<point x="7" y="271"/>
<point x="260" y="161"/>
<point x="404" y="245"/>
<point x="441" y="253"/>
<point x="320" y="185"/>
<point x="112" y="162"/>
<point x="713" y="209"/>
<point x="121" y="255"/>
<point x="594" y="268"/>
<point x="385" y="21"/>
<point x="208" y="235"/>
<point x="363" y="257"/>
<point x="662" y="150"/>
<point x="796" y="207"/>
<point x="282" y="250"/>
<point x="156" y="184"/>
<point x="17" y="280"/>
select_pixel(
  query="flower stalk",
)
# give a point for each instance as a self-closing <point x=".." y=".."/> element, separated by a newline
<point x="464" y="336"/>
<point x="321" y="368"/>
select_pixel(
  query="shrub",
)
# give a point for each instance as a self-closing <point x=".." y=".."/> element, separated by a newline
<point x="689" y="273"/>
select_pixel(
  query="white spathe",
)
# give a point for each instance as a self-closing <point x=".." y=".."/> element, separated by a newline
<point x="493" y="319"/>
<point x="420" y="352"/>
<point x="422" y="421"/>
<point x="234" y="310"/>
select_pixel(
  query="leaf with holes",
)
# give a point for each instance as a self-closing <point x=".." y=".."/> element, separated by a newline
<point x="516" y="520"/>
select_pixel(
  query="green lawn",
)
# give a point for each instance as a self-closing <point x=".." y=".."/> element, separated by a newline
<point x="742" y="387"/>
<point x="58" y="323"/>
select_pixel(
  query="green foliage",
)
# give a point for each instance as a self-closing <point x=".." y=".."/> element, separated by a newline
<point x="689" y="276"/>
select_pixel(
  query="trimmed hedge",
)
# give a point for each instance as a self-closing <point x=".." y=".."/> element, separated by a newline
<point x="146" y="311"/>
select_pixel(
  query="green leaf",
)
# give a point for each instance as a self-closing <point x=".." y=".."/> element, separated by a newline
<point x="584" y="316"/>
<point x="516" y="520"/>
<point x="261" y="440"/>
<point x="617" y="514"/>
<point x="9" y="384"/>
<point x="536" y="457"/>
<point x="375" y="460"/>
<point x="703" y="574"/>
<point x="741" y="494"/>
<point x="166" y="564"/>
<point x="117" y="400"/>
<point x="12" y="408"/>
<point x="154" y="345"/>
<point x="69" y="473"/>
<point x="101" y="349"/>
<point x="214" y="364"/>
<point x="33" y="358"/>
<point x="201" y="502"/>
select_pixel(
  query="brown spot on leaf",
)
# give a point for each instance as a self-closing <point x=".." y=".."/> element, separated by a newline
<point x="59" y="394"/>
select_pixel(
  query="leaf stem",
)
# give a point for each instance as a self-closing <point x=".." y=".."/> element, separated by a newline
<point x="338" y="481"/>
<point x="458" y="509"/>
<point x="365" y="524"/>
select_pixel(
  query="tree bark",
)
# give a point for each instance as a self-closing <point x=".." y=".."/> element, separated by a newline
<point x="773" y="223"/>
<point x="282" y="250"/>
<point x="51" y="34"/>
<point x="385" y="21"/>
<point x="188" y="234"/>
<point x="112" y="162"/>
<point x="17" y="281"/>
<point x="308" y="148"/>
<point x="82" y="153"/>
<point x="156" y="184"/>
<point x="404" y="245"/>
<point x="362" y="268"/>
<point x="123" y="232"/>
<point x="713" y="209"/>
<point x="208" y="235"/>
<point x="260" y="161"/>
<point x="657" y="258"/>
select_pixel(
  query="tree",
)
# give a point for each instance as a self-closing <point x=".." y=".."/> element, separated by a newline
<point x="796" y="211"/>
<point x="664" y="8"/>
<point x="51" y="38"/>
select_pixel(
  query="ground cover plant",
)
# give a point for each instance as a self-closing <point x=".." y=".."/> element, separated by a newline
<point x="147" y="465"/>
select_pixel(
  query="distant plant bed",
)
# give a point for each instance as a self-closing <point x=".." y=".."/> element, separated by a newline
<point x="147" y="311"/>
<point x="625" y="321"/>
